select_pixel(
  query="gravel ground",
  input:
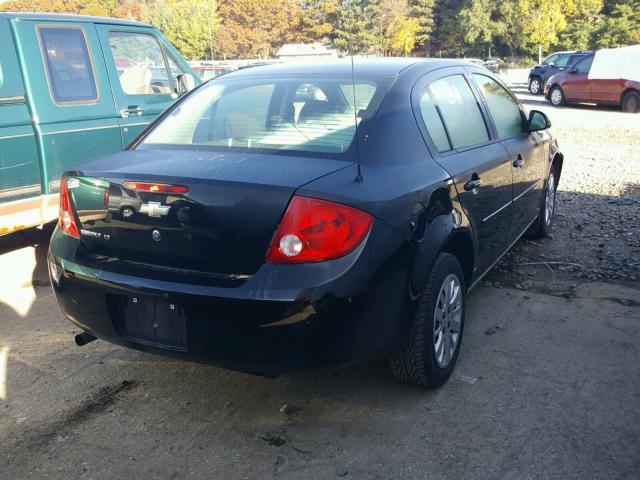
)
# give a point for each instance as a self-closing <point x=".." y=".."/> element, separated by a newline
<point x="597" y="231"/>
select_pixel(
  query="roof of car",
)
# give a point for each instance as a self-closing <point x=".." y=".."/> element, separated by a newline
<point x="61" y="17"/>
<point x="386" y="66"/>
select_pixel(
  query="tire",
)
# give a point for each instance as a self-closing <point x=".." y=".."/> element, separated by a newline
<point x="535" y="86"/>
<point x="421" y="362"/>
<point x="127" y="213"/>
<point x="631" y="102"/>
<point x="547" y="207"/>
<point x="556" y="97"/>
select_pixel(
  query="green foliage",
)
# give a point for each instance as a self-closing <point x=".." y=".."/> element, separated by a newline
<point x="357" y="29"/>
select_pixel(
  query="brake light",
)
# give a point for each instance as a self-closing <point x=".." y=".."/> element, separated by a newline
<point x="155" y="187"/>
<point x="314" y="230"/>
<point x="66" y="220"/>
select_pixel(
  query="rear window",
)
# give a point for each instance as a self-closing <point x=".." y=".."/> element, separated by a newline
<point x="68" y="64"/>
<point x="272" y="113"/>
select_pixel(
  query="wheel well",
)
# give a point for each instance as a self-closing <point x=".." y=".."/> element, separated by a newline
<point x="461" y="247"/>
<point x="531" y="77"/>
<point x="628" y="90"/>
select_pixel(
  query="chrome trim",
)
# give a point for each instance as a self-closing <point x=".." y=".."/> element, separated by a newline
<point x="12" y="100"/>
<point x="497" y="211"/>
<point x="79" y="130"/>
<point x="480" y="277"/>
<point x="17" y="192"/>
<point x="525" y="192"/>
<point x="135" y="124"/>
<point x="20" y="135"/>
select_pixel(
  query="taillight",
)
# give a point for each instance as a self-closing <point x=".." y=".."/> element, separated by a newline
<point x="314" y="230"/>
<point x="155" y="187"/>
<point x="66" y="220"/>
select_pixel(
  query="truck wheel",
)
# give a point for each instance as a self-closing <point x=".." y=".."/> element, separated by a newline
<point x="535" y="86"/>
<point x="556" y="97"/>
<point x="432" y="352"/>
<point x="548" y="207"/>
<point x="631" y="102"/>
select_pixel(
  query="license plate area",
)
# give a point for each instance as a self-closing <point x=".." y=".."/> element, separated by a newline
<point x="152" y="322"/>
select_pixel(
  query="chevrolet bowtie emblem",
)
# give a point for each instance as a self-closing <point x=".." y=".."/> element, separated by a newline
<point x="154" y="209"/>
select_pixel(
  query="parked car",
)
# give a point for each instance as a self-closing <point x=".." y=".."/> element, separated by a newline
<point x="551" y="65"/>
<point x="275" y="235"/>
<point x="495" y="65"/>
<point x="73" y="88"/>
<point x="574" y="85"/>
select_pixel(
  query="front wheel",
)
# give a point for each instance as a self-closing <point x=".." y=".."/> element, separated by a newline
<point x="556" y="97"/>
<point x="535" y="86"/>
<point x="433" y="348"/>
<point x="631" y="102"/>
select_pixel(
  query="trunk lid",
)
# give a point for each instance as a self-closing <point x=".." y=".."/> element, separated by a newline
<point x="222" y="225"/>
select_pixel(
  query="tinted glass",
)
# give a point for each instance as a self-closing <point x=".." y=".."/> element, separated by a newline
<point x="271" y="113"/>
<point x="563" y="60"/>
<point x="550" y="59"/>
<point x="69" y="66"/>
<point x="502" y="107"/>
<point x="433" y="122"/>
<point x="140" y="63"/>
<point x="584" y="65"/>
<point x="459" y="110"/>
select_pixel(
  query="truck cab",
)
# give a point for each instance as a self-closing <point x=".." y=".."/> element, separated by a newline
<point x="73" y="88"/>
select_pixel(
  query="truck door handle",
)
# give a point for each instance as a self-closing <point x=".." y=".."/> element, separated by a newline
<point x="131" y="110"/>
<point x="473" y="185"/>
<point x="518" y="162"/>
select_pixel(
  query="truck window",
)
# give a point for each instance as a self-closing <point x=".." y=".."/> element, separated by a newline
<point x="140" y="63"/>
<point x="69" y="67"/>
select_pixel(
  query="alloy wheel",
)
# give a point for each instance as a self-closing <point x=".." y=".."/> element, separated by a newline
<point x="556" y="97"/>
<point x="534" y="86"/>
<point x="447" y="320"/>
<point x="550" y="200"/>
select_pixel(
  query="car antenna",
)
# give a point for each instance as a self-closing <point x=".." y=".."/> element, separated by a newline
<point x="359" y="177"/>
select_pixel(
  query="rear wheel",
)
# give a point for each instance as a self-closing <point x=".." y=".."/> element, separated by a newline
<point x="548" y="207"/>
<point x="556" y="97"/>
<point x="631" y="102"/>
<point x="438" y="324"/>
<point x="535" y="86"/>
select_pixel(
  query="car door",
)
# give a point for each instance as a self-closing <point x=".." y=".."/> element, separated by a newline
<point x="459" y="137"/>
<point x="68" y="94"/>
<point x="139" y="71"/>
<point x="526" y="150"/>
<point x="576" y="85"/>
<point x="606" y="90"/>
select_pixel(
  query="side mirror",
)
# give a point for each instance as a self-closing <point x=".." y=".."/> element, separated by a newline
<point x="551" y="64"/>
<point x="186" y="83"/>
<point x="538" y="121"/>
<point x="573" y="70"/>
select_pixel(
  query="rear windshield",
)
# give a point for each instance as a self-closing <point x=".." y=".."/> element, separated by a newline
<point x="272" y="113"/>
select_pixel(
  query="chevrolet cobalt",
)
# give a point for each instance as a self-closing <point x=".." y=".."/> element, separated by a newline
<point x="293" y="217"/>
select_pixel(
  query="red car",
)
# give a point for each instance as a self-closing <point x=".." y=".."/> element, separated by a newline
<point x="573" y="85"/>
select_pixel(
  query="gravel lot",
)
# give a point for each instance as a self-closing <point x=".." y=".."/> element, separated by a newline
<point x="547" y="385"/>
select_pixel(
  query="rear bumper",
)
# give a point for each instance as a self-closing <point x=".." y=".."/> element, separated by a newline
<point x="284" y="318"/>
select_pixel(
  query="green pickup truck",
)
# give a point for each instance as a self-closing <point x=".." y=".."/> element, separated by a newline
<point x="73" y="88"/>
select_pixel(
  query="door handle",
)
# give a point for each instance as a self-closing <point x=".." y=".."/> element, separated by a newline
<point x="131" y="110"/>
<point x="473" y="185"/>
<point x="518" y="162"/>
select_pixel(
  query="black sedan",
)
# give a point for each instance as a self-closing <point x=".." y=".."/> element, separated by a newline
<point x="304" y="216"/>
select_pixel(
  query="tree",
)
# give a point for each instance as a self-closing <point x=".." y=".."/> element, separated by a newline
<point x="188" y="24"/>
<point x="422" y="11"/>
<point x="621" y="27"/>
<point x="319" y="18"/>
<point x="358" y="29"/>
<point x="260" y="27"/>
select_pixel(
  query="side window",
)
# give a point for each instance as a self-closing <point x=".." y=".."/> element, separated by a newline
<point x="584" y="65"/>
<point x="502" y="107"/>
<point x="551" y="59"/>
<point x="68" y="65"/>
<point x="564" y="60"/>
<point x="459" y="110"/>
<point x="433" y="122"/>
<point x="140" y="63"/>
